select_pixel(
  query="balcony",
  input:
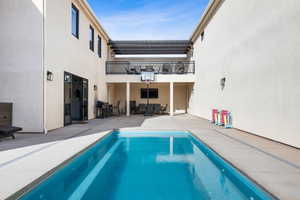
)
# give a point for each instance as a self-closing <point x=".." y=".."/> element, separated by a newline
<point x="135" y="68"/>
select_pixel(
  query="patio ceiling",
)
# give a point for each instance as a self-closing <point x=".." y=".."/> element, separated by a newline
<point x="133" y="47"/>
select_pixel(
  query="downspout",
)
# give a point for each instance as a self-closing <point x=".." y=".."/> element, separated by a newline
<point x="44" y="73"/>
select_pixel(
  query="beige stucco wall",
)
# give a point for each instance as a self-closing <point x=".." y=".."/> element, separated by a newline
<point x="181" y="97"/>
<point x="256" y="46"/>
<point x="64" y="52"/>
<point x="163" y="93"/>
<point x="159" y="78"/>
<point x="21" y="61"/>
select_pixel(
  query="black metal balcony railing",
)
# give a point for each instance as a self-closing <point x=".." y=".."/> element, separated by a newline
<point x="126" y="67"/>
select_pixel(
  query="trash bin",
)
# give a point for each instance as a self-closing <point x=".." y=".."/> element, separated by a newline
<point x="224" y="114"/>
<point x="214" y="116"/>
<point x="228" y="120"/>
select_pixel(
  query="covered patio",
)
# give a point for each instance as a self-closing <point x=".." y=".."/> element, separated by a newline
<point x="164" y="97"/>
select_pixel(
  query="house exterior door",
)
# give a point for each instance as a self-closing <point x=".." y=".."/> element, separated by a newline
<point x="85" y="85"/>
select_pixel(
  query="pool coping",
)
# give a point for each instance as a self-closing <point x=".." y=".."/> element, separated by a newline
<point x="21" y="192"/>
<point x="236" y="168"/>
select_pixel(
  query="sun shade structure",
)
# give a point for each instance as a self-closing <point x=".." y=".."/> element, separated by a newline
<point x="144" y="47"/>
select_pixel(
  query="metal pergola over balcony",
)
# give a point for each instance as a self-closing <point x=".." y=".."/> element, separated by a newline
<point x="144" y="47"/>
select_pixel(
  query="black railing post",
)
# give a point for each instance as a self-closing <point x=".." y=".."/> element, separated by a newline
<point x="106" y="67"/>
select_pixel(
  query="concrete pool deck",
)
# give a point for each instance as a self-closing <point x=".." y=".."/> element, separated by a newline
<point x="274" y="166"/>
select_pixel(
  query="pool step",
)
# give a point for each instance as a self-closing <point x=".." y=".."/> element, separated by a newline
<point x="85" y="184"/>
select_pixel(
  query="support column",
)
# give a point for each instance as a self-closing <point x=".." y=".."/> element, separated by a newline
<point x="171" y="98"/>
<point x="128" y="98"/>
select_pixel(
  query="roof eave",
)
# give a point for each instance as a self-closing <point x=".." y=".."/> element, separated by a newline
<point x="206" y="17"/>
<point x="96" y="22"/>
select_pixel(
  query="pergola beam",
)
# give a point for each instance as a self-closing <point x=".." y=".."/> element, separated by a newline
<point x="151" y="47"/>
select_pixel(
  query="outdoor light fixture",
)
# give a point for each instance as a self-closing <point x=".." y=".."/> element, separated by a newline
<point x="49" y="76"/>
<point x="95" y="87"/>
<point x="222" y="82"/>
<point x="202" y="36"/>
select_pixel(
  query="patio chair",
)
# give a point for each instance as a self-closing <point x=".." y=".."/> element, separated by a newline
<point x="138" y="69"/>
<point x="149" y="68"/>
<point x="133" y="108"/>
<point x="142" y="108"/>
<point x="166" y="68"/>
<point x="149" y="108"/>
<point x="109" y="109"/>
<point x="116" y="108"/>
<point x="131" y="70"/>
<point x="163" y="109"/>
<point x="8" y="131"/>
<point x="6" y="128"/>
<point x="179" y="68"/>
<point x="100" y="112"/>
<point x="156" y="109"/>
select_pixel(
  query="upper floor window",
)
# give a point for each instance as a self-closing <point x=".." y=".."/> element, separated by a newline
<point x="75" y="21"/>
<point x="91" y="38"/>
<point x="99" y="46"/>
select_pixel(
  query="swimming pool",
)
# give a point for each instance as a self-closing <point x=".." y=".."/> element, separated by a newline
<point x="147" y="166"/>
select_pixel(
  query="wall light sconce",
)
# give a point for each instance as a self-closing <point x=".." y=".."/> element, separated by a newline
<point x="222" y="83"/>
<point x="49" y="76"/>
<point x="95" y="87"/>
<point x="202" y="36"/>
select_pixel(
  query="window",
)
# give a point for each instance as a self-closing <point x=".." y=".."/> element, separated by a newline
<point x="99" y="46"/>
<point x="75" y="21"/>
<point x="91" y="38"/>
<point x="153" y="93"/>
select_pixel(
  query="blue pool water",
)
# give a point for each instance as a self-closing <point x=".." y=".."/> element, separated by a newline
<point x="147" y="166"/>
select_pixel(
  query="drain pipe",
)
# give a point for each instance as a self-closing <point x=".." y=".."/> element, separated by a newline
<point x="44" y="73"/>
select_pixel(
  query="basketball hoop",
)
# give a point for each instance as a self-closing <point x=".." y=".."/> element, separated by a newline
<point x="147" y="76"/>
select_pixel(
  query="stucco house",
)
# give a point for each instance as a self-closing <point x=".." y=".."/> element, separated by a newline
<point x="56" y="61"/>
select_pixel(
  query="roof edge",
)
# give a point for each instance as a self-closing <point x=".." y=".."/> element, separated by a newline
<point x="94" y="18"/>
<point x="209" y="12"/>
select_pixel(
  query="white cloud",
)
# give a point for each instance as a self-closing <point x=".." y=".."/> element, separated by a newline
<point x="154" y="21"/>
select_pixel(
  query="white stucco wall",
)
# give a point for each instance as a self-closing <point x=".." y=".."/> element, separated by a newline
<point x="21" y="61"/>
<point x="64" y="52"/>
<point x="256" y="46"/>
<point x="159" y="78"/>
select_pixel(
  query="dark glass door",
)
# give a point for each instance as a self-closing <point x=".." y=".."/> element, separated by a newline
<point x="67" y="98"/>
<point x="85" y="85"/>
<point x="75" y="99"/>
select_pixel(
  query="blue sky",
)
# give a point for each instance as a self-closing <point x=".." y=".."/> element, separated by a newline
<point x="149" y="19"/>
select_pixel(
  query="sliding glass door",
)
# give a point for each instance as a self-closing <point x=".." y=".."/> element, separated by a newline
<point x="67" y="98"/>
<point x="75" y="99"/>
<point x="85" y="85"/>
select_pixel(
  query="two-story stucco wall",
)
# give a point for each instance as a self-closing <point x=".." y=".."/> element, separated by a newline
<point x="255" y="45"/>
<point x="66" y="53"/>
<point x="21" y="61"/>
